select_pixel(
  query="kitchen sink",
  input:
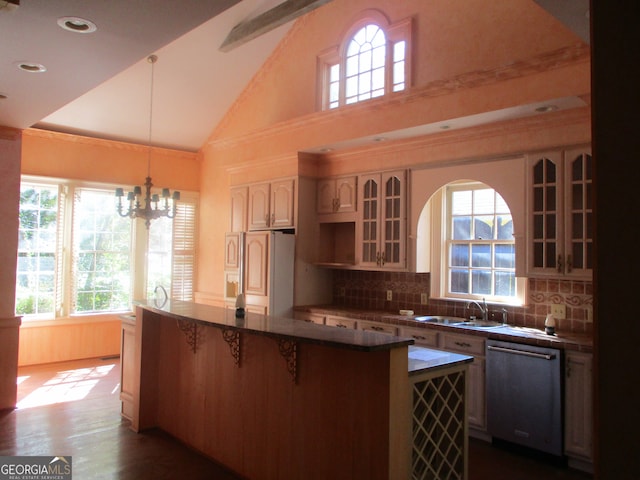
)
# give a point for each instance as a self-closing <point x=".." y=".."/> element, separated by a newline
<point x="478" y="324"/>
<point x="440" y="319"/>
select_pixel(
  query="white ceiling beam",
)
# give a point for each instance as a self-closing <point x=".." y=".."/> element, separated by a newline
<point x="267" y="21"/>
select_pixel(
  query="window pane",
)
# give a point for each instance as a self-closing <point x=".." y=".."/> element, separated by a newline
<point x="505" y="256"/>
<point x="481" y="255"/>
<point x="461" y="228"/>
<point x="377" y="79"/>
<point x="504" y="227"/>
<point x="505" y="284"/>
<point x="102" y="258"/>
<point x="483" y="201"/>
<point x="334" y="73"/>
<point x="36" y="263"/>
<point x="459" y="281"/>
<point x="159" y="255"/>
<point x="481" y="282"/>
<point x="483" y="228"/>
<point x="378" y="57"/>
<point x="399" y="51"/>
<point x="459" y="255"/>
<point x="461" y="202"/>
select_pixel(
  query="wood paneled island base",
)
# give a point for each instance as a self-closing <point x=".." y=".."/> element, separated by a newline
<point x="274" y="398"/>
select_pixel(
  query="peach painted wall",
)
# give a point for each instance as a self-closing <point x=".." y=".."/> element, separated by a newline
<point x="74" y="157"/>
<point x="70" y="156"/>
<point x="10" y="147"/>
<point x="468" y="57"/>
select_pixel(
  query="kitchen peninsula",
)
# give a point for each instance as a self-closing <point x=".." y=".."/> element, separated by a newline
<point x="272" y="397"/>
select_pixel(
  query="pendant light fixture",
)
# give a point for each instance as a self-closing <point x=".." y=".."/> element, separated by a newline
<point x="150" y="207"/>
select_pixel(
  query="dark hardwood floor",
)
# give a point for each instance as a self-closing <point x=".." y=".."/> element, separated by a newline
<point x="72" y="409"/>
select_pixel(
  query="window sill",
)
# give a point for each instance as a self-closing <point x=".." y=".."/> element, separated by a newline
<point x="74" y="320"/>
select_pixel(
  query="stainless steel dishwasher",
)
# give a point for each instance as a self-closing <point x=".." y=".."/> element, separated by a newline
<point x="524" y="395"/>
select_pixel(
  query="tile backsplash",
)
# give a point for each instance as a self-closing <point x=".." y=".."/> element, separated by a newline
<point x="368" y="290"/>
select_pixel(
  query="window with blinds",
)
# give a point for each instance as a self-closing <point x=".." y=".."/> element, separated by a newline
<point x="76" y="255"/>
<point x="171" y="252"/>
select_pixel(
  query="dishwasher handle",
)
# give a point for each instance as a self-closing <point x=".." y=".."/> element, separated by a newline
<point x="544" y="356"/>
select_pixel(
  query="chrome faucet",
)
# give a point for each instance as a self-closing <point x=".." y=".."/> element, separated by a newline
<point x="484" y="310"/>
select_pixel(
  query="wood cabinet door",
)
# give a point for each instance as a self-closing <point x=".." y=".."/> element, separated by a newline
<point x="256" y="263"/>
<point x="239" y="209"/>
<point x="369" y="221"/>
<point x="578" y="436"/>
<point x="258" y="206"/>
<point x="578" y="215"/>
<point x="393" y="220"/>
<point x="545" y="213"/>
<point x="232" y="250"/>
<point x="281" y="204"/>
<point x="326" y="196"/>
<point x="345" y="192"/>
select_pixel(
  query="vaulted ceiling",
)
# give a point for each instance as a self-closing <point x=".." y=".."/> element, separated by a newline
<point x="98" y="83"/>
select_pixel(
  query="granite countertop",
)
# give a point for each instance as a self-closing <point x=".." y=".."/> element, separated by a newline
<point x="421" y="359"/>
<point x="511" y="333"/>
<point x="280" y="327"/>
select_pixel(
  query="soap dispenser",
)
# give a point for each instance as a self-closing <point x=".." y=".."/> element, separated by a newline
<point x="550" y="324"/>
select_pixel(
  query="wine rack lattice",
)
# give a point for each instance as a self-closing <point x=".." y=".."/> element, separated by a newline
<point x="439" y="428"/>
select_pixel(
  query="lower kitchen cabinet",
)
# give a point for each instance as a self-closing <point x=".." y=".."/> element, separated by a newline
<point x="578" y="434"/>
<point x="309" y="317"/>
<point x="476" y="393"/>
<point x="127" y="363"/>
<point x="378" y="327"/>
<point x="422" y="336"/>
<point x="341" y="322"/>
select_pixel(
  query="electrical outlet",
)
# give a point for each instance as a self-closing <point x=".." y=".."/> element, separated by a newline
<point x="389" y="295"/>
<point x="559" y="311"/>
<point x="424" y="298"/>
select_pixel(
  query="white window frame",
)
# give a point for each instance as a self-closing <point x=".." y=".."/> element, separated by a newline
<point x="439" y="245"/>
<point x="139" y="241"/>
<point x="337" y="54"/>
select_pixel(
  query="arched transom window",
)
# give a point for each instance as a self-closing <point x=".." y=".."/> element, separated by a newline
<point x="372" y="62"/>
<point x="365" y="64"/>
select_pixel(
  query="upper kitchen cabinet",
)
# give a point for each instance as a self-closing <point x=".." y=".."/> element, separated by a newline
<point x="381" y="229"/>
<point x="336" y="199"/>
<point x="271" y="205"/>
<point x="560" y="193"/>
<point x="239" y="198"/>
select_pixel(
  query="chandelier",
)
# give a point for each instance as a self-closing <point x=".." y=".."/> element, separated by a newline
<point x="150" y="206"/>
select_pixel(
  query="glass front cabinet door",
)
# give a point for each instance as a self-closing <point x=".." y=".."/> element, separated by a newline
<point x="560" y="238"/>
<point x="382" y="221"/>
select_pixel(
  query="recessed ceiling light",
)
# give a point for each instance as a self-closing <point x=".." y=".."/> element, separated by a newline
<point x="31" y="67"/>
<point x="77" y="25"/>
<point x="546" y="108"/>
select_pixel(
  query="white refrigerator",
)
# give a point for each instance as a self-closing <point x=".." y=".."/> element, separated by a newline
<point x="260" y="264"/>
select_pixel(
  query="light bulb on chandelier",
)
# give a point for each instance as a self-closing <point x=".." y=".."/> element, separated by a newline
<point x="148" y="207"/>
